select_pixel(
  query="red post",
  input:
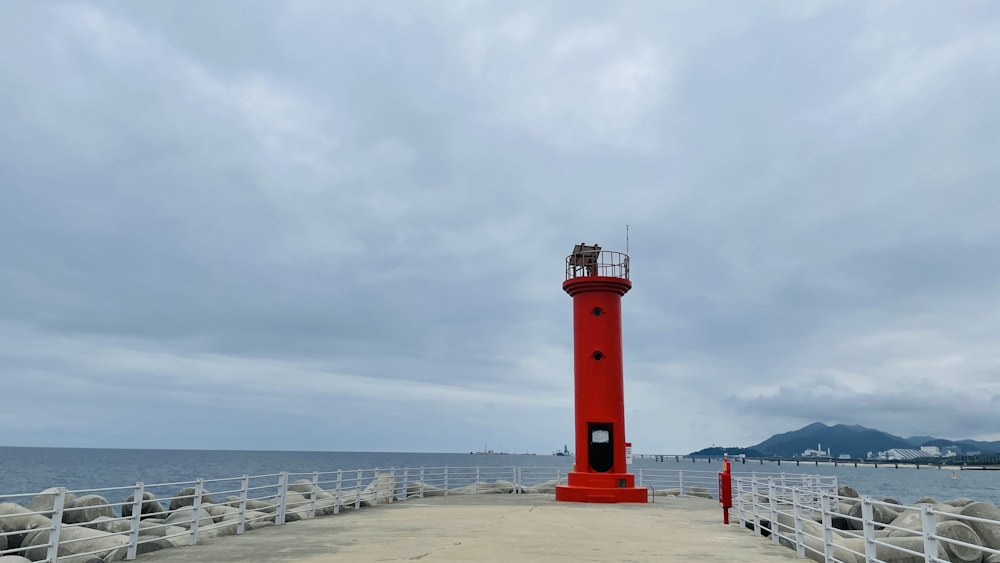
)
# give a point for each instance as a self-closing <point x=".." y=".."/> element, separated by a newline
<point x="725" y="489"/>
<point x="597" y="280"/>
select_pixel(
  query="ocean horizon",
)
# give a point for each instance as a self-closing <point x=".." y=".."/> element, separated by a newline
<point x="27" y="470"/>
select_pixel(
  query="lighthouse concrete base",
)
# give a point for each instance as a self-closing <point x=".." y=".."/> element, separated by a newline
<point x="601" y="487"/>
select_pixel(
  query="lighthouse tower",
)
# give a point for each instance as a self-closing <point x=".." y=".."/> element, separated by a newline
<point x="596" y="280"/>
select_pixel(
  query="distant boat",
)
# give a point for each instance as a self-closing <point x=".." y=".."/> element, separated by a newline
<point x="565" y="451"/>
<point x="484" y="452"/>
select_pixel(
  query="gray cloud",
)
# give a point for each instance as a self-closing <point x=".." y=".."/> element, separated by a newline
<point x="354" y="217"/>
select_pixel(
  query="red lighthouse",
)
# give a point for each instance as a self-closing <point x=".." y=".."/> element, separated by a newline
<point x="596" y="280"/>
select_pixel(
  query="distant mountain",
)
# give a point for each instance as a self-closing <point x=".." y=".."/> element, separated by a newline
<point x="963" y="445"/>
<point x="942" y="444"/>
<point x="984" y="447"/>
<point x="853" y="440"/>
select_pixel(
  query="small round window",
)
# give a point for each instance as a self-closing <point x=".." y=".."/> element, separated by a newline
<point x="598" y="311"/>
<point x="598" y="354"/>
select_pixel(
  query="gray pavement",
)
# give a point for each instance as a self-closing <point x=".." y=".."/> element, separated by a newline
<point x="496" y="528"/>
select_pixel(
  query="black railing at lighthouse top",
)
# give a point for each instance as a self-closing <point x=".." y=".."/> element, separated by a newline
<point x="590" y="260"/>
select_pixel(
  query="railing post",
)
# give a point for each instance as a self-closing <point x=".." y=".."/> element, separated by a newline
<point x="739" y="501"/>
<point x="357" y="490"/>
<point x="336" y="498"/>
<point x="58" y="504"/>
<point x="639" y="477"/>
<point x="800" y="546"/>
<point x="445" y="480"/>
<point x="375" y="503"/>
<point x="199" y="489"/>
<point x="406" y="483"/>
<point x="393" y="486"/>
<point x="477" y="480"/>
<point x="241" y="524"/>
<point x="133" y="533"/>
<point x="928" y="527"/>
<point x="868" y="525"/>
<point x="827" y="528"/>
<point x="421" y="481"/>
<point x="282" y="498"/>
<point x="772" y="505"/>
<point x="680" y="482"/>
<point x="315" y="493"/>
<point x="755" y="493"/>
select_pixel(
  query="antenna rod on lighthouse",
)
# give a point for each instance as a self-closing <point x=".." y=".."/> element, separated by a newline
<point x="626" y="239"/>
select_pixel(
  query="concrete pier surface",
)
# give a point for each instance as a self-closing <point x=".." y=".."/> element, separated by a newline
<point x="496" y="528"/>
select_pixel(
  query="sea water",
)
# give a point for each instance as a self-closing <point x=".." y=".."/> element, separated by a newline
<point x="906" y="484"/>
<point x="29" y="470"/>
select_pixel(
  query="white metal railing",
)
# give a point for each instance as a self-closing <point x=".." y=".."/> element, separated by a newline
<point x="802" y="511"/>
<point x="59" y="523"/>
<point x="811" y="517"/>
<point x="592" y="261"/>
<point x="679" y="482"/>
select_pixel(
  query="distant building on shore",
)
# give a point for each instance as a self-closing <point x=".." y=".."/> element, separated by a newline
<point x="903" y="454"/>
<point x="818" y="452"/>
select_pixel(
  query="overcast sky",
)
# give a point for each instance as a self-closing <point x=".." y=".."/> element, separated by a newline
<point x="342" y="225"/>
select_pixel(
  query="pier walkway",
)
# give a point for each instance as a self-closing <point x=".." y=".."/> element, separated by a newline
<point x="495" y="528"/>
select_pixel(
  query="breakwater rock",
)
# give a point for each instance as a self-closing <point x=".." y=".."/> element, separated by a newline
<point x="963" y="529"/>
<point x="88" y="529"/>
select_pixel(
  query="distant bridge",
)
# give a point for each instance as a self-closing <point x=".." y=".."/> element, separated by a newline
<point x="981" y="462"/>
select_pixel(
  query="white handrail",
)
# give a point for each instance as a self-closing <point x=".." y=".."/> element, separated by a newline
<point x="798" y="510"/>
<point x="802" y="515"/>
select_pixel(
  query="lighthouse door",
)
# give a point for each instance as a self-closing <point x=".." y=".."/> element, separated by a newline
<point x="600" y="446"/>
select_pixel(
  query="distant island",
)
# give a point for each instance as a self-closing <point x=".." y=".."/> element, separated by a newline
<point x="842" y="441"/>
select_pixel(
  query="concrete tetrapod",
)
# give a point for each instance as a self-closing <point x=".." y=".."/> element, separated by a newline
<point x="185" y="497"/>
<point x="18" y="519"/>
<point x="880" y="513"/>
<point x="304" y="487"/>
<point x="88" y="508"/>
<point x="149" y="507"/>
<point x="184" y="515"/>
<point x="813" y="539"/>
<point x="890" y="549"/>
<point x="45" y="500"/>
<point x="988" y="533"/>
<point x="911" y="520"/>
<point x="296" y="507"/>
<point x="384" y="484"/>
<point x="109" y="525"/>
<point x="416" y="487"/>
<point x="73" y="541"/>
<point x="959" y="531"/>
